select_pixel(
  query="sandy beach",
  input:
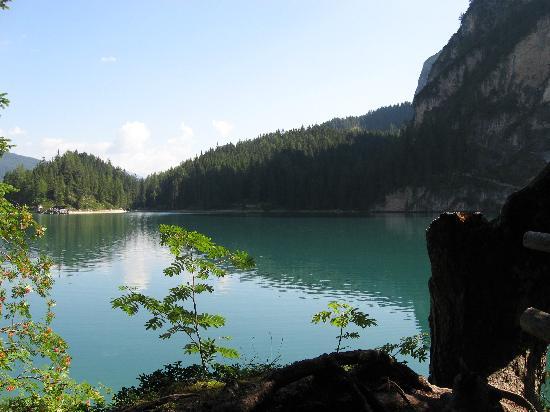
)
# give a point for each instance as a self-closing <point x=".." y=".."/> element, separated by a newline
<point x="89" y="212"/>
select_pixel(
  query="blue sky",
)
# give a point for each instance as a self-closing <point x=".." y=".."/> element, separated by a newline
<point x="148" y="84"/>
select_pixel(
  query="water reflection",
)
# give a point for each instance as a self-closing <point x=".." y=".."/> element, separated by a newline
<point x="378" y="263"/>
<point x="136" y="267"/>
<point x="81" y="242"/>
<point x="375" y="257"/>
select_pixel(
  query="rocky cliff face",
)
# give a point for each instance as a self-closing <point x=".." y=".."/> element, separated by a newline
<point x="489" y="88"/>
<point x="425" y="73"/>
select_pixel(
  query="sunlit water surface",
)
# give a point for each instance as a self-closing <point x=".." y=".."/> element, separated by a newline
<point x="378" y="263"/>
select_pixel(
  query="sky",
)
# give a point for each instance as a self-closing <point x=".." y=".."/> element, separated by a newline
<point x="148" y="84"/>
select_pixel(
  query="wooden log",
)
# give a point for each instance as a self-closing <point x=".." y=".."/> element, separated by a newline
<point x="537" y="241"/>
<point x="536" y="323"/>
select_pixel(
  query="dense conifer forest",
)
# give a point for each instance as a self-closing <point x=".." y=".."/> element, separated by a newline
<point x="77" y="180"/>
<point x="341" y="164"/>
<point x="346" y="164"/>
<point x="308" y="168"/>
<point x="387" y="118"/>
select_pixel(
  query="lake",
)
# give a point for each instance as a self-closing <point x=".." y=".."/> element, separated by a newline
<point x="377" y="263"/>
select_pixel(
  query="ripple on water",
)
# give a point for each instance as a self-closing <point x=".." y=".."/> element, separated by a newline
<point x="377" y="264"/>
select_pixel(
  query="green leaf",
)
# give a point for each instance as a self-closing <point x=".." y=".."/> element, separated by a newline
<point x="202" y="287"/>
<point x="362" y="319"/>
<point x="191" y="348"/>
<point x="340" y="322"/>
<point x="335" y="306"/>
<point x="206" y="320"/>
<point x="229" y="353"/>
<point x="154" y="323"/>
<point x="350" y="335"/>
<point x="322" y="316"/>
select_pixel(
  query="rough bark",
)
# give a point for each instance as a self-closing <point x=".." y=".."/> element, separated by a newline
<point x="483" y="279"/>
<point x="536" y="323"/>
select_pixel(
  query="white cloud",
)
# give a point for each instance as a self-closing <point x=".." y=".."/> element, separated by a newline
<point x="50" y="146"/>
<point x="133" y="148"/>
<point x="223" y="127"/>
<point x="108" y="59"/>
<point x="181" y="146"/>
<point x="13" y="132"/>
<point x="132" y="138"/>
<point x="16" y="131"/>
<point x="20" y="140"/>
<point x="186" y="131"/>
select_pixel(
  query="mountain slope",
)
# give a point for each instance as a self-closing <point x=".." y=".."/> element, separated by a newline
<point x="328" y="166"/>
<point x="480" y="131"/>
<point x="77" y="180"/>
<point x="308" y="168"/>
<point x="481" y="123"/>
<point x="9" y="161"/>
<point x="425" y="73"/>
<point x="384" y="119"/>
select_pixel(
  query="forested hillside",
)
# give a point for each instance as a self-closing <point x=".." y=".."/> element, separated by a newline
<point x="479" y="133"/>
<point x="487" y="97"/>
<point x="340" y="164"/>
<point x="77" y="180"/>
<point x="387" y="118"/>
<point x="309" y="168"/>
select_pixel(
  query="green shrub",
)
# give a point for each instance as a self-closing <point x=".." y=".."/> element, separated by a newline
<point x="341" y="315"/>
<point x="197" y="256"/>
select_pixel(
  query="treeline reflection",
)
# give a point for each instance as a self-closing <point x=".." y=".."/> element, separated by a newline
<point x="381" y="258"/>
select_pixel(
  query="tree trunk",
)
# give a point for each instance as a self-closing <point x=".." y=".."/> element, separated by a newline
<point x="536" y="323"/>
<point x="483" y="279"/>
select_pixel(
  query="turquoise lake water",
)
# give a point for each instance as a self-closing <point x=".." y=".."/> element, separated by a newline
<point x="377" y="263"/>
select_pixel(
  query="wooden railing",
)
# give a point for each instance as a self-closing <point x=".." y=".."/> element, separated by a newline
<point x="534" y="321"/>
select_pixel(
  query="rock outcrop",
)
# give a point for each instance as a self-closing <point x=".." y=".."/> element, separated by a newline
<point x="425" y="73"/>
<point x="482" y="281"/>
<point x="489" y="90"/>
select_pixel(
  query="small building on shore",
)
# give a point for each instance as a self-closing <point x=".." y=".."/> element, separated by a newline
<point x="57" y="210"/>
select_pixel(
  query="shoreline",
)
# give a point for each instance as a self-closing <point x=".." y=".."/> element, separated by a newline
<point x="99" y="211"/>
<point x="304" y="213"/>
<point x="272" y="213"/>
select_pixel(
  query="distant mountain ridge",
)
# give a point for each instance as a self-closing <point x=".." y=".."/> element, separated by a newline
<point x="10" y="161"/>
